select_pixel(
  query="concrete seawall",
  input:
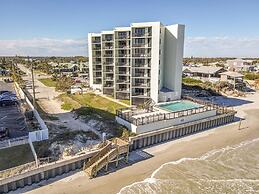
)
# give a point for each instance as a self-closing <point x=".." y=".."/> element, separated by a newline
<point x="170" y="133"/>
<point x="45" y="172"/>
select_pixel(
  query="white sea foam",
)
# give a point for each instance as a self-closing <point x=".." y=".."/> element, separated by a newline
<point x="153" y="180"/>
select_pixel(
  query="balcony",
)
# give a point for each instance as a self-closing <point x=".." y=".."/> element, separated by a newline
<point x="108" y="47"/>
<point x="141" y="45"/>
<point x="141" y="55"/>
<point x="123" y="37"/>
<point x="123" y="81"/>
<point x="140" y="65"/>
<point x="123" y="89"/>
<point x="124" y="64"/>
<point x="141" y="84"/>
<point x="123" y="55"/>
<point x="108" y="55"/>
<point x="141" y="34"/>
<point x="96" y="41"/>
<point x="124" y="72"/>
<point x="108" y="70"/>
<point x="97" y="63"/>
<point x="123" y="46"/>
<point x="108" y="78"/>
<point x="97" y="69"/>
<point x="108" y="85"/>
<point x="97" y="48"/>
<point x="141" y="94"/>
<point x="108" y="39"/>
<point x="141" y="75"/>
<point x="108" y="63"/>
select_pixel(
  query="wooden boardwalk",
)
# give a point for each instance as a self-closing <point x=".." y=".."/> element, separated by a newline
<point x="111" y="151"/>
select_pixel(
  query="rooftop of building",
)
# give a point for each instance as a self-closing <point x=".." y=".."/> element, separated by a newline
<point x="233" y="74"/>
<point x="203" y="69"/>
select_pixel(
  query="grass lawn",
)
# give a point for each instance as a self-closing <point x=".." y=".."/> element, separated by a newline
<point x="68" y="102"/>
<point x="14" y="156"/>
<point x="96" y="107"/>
<point x="48" y="82"/>
<point x="90" y="104"/>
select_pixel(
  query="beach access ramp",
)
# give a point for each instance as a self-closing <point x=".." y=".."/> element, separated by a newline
<point x="111" y="151"/>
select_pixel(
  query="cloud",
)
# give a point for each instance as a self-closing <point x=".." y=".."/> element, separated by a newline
<point x="44" y="47"/>
<point x="194" y="46"/>
<point x="222" y="47"/>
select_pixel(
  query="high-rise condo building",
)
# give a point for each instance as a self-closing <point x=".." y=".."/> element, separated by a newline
<point x="139" y="62"/>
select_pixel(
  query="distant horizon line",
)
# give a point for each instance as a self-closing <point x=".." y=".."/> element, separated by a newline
<point x="67" y="56"/>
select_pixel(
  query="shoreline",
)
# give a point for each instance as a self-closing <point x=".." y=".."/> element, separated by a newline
<point x="192" y="146"/>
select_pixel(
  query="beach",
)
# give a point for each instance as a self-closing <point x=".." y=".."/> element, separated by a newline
<point x="188" y="147"/>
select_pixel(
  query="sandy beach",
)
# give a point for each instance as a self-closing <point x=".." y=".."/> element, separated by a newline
<point x="191" y="146"/>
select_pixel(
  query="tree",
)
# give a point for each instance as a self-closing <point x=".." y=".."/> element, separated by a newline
<point x="64" y="83"/>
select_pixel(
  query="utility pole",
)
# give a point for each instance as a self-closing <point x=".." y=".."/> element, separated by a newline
<point x="33" y="86"/>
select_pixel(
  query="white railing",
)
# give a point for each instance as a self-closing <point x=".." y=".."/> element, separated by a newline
<point x="14" y="142"/>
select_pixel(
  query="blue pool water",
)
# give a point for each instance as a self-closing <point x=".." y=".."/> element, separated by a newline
<point x="179" y="106"/>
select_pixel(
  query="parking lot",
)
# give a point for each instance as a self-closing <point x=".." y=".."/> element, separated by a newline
<point x="11" y="117"/>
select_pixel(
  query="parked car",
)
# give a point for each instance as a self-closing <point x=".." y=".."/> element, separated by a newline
<point x="4" y="132"/>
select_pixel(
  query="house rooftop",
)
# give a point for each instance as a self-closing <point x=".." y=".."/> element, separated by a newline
<point x="233" y="74"/>
<point x="203" y="69"/>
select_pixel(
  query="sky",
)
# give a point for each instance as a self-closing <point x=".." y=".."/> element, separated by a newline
<point x="214" y="28"/>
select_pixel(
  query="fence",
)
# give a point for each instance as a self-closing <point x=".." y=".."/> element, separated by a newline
<point x="38" y="135"/>
<point x="128" y="113"/>
<point x="14" y="142"/>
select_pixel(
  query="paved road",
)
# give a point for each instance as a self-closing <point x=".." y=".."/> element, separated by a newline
<point x="49" y="103"/>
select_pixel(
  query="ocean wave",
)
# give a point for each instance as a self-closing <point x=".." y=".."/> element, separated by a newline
<point x="153" y="180"/>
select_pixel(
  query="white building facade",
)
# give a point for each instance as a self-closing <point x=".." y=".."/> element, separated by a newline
<point x="139" y="62"/>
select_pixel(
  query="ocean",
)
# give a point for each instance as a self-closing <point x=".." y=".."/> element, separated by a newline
<point x="231" y="170"/>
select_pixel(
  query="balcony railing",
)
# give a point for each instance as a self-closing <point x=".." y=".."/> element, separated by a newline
<point x="123" y="81"/>
<point x="141" y="55"/>
<point x="147" y="94"/>
<point x="108" y="85"/>
<point x="108" y="47"/>
<point x="134" y="34"/>
<point x="109" y="78"/>
<point x="122" y="64"/>
<point x="96" y="48"/>
<point x="141" y="45"/>
<point x="141" y="84"/>
<point x="123" y="55"/>
<point x="145" y="75"/>
<point x="123" y="46"/>
<point x="97" y="69"/>
<point x="122" y="37"/>
<point x="108" y="55"/>
<point x="96" y="41"/>
<point x="123" y="89"/>
<point x="97" y="63"/>
<point x="108" y="70"/>
<point x="108" y="63"/>
<point x="123" y="72"/>
<point x="108" y="39"/>
<point x="97" y="56"/>
<point x="145" y="65"/>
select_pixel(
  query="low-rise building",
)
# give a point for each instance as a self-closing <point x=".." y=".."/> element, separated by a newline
<point x="240" y="65"/>
<point x="203" y="71"/>
<point x="234" y="78"/>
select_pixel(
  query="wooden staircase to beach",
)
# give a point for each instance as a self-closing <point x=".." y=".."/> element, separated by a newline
<point x="111" y="151"/>
<point x="149" y="104"/>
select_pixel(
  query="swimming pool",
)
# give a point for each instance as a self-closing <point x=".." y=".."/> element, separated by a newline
<point x="179" y="105"/>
